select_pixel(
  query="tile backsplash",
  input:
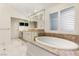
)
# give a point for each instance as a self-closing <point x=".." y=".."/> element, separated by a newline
<point x="74" y="38"/>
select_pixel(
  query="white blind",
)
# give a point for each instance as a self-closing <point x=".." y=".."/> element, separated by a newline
<point x="53" y="21"/>
<point x="67" y="19"/>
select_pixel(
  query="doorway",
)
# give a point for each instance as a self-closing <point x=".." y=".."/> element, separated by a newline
<point x="14" y="28"/>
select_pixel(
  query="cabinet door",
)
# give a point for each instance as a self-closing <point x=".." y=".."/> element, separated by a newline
<point x="14" y="28"/>
<point x="34" y="34"/>
<point x="27" y="36"/>
<point x="37" y="51"/>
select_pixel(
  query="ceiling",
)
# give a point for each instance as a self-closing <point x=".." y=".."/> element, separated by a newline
<point x="29" y="8"/>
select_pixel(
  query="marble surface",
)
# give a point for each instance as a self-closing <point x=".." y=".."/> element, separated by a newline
<point x="58" y="52"/>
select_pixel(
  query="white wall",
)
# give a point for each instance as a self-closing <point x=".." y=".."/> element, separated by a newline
<point x="59" y="7"/>
<point x="6" y="12"/>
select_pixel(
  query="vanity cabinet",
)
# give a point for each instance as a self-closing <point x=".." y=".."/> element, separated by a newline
<point x="29" y="35"/>
<point x="34" y="50"/>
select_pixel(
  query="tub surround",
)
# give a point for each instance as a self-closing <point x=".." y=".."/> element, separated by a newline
<point x="56" y="51"/>
<point x="58" y="43"/>
<point x="74" y="38"/>
<point x="40" y="46"/>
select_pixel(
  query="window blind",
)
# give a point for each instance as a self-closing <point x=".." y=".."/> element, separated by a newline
<point x="54" y="21"/>
<point x="67" y="19"/>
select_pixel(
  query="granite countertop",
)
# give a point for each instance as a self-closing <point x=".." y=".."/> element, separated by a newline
<point x="35" y="30"/>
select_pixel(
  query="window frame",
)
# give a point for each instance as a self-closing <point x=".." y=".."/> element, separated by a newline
<point x="61" y="19"/>
<point x="59" y="27"/>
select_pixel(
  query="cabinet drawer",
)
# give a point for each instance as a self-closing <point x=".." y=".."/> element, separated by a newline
<point x="27" y="35"/>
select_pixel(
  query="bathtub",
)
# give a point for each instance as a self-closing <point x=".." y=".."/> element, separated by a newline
<point x="56" y="42"/>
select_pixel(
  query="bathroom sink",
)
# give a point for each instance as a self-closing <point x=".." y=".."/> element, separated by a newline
<point x="57" y="42"/>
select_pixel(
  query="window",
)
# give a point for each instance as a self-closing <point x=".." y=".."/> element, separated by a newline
<point x="53" y="21"/>
<point x="67" y="19"/>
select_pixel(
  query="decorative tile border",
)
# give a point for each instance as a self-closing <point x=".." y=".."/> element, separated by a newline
<point x="74" y="38"/>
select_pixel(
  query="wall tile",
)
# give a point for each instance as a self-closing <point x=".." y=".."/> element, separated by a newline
<point x="74" y="38"/>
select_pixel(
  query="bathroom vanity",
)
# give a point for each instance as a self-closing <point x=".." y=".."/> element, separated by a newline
<point x="30" y="34"/>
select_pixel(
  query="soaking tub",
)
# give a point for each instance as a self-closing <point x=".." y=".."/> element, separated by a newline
<point x="56" y="42"/>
